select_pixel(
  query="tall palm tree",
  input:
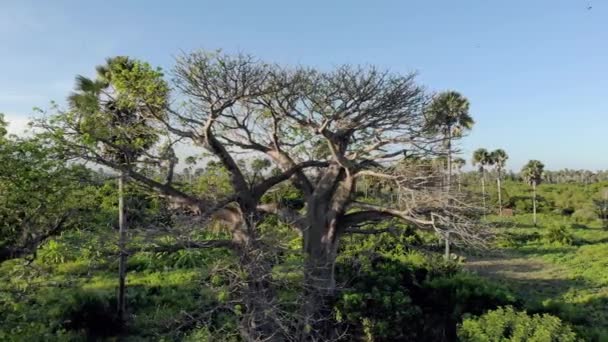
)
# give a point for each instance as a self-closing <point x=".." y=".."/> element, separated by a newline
<point x="458" y="164"/>
<point x="499" y="158"/>
<point x="448" y="114"/>
<point x="533" y="173"/>
<point x="113" y="117"/>
<point x="482" y="158"/>
<point x="190" y="161"/>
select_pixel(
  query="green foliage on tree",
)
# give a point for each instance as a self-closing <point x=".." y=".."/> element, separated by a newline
<point x="532" y="173"/>
<point x="448" y="115"/>
<point x="40" y="196"/>
<point x="482" y="158"/>
<point x="499" y="159"/>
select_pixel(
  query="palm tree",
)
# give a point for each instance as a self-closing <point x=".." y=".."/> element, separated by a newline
<point x="448" y="114"/>
<point x="482" y="158"/>
<point x="119" y="120"/>
<point x="533" y="173"/>
<point x="458" y="164"/>
<point x="190" y="161"/>
<point x="499" y="158"/>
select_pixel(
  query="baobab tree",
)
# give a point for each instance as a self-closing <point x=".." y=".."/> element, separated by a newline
<point x="533" y="173"/>
<point x="448" y="115"/>
<point x="115" y="125"/>
<point x="323" y="131"/>
<point x="482" y="158"/>
<point x="499" y="159"/>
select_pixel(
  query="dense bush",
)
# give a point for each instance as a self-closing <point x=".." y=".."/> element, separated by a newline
<point x="55" y="252"/>
<point x="559" y="234"/>
<point x="392" y="293"/>
<point x="506" y="324"/>
<point x="584" y="215"/>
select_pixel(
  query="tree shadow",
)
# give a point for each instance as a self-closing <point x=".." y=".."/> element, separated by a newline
<point x="510" y="224"/>
<point x="543" y="250"/>
<point x="151" y="309"/>
<point x="585" y="242"/>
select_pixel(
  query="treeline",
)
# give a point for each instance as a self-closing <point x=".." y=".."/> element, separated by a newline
<point x="562" y="176"/>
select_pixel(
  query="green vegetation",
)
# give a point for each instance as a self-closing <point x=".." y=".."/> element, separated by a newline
<point x="557" y="267"/>
<point x="319" y="209"/>
<point x="506" y="324"/>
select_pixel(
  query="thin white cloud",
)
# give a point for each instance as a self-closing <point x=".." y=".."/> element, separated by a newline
<point x="17" y="124"/>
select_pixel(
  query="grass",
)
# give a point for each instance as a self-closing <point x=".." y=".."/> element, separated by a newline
<point x="567" y="279"/>
<point x="42" y="301"/>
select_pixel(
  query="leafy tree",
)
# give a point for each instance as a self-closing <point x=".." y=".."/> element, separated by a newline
<point x="499" y="159"/>
<point x="533" y="173"/>
<point x="111" y="114"/>
<point x="458" y="164"/>
<point x="3" y="125"/>
<point x="482" y="158"/>
<point x="40" y="196"/>
<point x="601" y="206"/>
<point x="190" y="161"/>
<point x="448" y="115"/>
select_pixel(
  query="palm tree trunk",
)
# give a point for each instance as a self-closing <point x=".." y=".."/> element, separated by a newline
<point x="459" y="181"/>
<point x="449" y="155"/>
<point x="499" y="195"/>
<point x="447" y="246"/>
<point x="122" y="263"/>
<point x="483" y="192"/>
<point x="534" y="202"/>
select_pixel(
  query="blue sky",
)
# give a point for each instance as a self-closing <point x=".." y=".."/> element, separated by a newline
<point x="536" y="72"/>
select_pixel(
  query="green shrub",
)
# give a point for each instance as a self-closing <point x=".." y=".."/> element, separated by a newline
<point x="55" y="252"/>
<point x="378" y="303"/>
<point x="560" y="235"/>
<point x="584" y="215"/>
<point x="463" y="292"/>
<point x="399" y="294"/>
<point x="506" y="324"/>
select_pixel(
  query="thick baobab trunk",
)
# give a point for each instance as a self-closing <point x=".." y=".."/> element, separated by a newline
<point x="122" y="244"/>
<point x="321" y="240"/>
<point x="320" y="246"/>
<point x="534" y="203"/>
